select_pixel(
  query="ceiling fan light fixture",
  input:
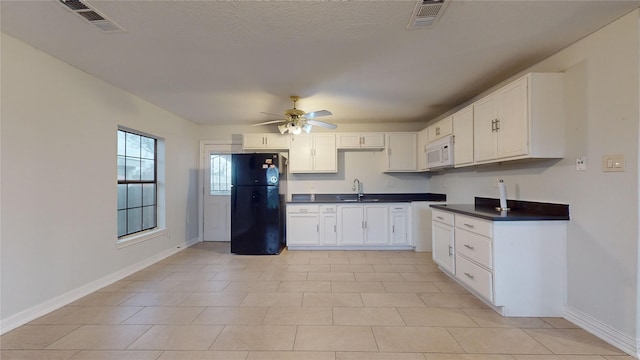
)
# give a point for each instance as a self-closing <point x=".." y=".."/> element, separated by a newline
<point x="306" y="128"/>
<point x="283" y="128"/>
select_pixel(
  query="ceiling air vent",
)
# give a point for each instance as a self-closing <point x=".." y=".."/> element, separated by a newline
<point x="426" y="13"/>
<point x="91" y="15"/>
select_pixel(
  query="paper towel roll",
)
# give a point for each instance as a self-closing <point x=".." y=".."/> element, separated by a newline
<point x="503" y="194"/>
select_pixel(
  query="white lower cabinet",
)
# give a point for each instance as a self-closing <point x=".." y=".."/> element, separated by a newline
<point x="516" y="267"/>
<point x="328" y="225"/>
<point x="349" y="226"/>
<point x="399" y="221"/>
<point x="443" y="241"/>
<point x="363" y="224"/>
<point x="303" y="225"/>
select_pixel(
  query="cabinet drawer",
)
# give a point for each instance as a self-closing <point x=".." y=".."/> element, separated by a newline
<point x="475" y="277"/>
<point x="475" y="247"/>
<point x="302" y="209"/>
<point x="397" y="208"/>
<point x="442" y="216"/>
<point x="328" y="209"/>
<point x="475" y="225"/>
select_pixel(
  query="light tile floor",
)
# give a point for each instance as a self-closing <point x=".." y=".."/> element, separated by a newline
<point x="205" y="303"/>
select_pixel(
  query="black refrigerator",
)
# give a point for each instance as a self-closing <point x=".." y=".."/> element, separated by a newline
<point x="257" y="208"/>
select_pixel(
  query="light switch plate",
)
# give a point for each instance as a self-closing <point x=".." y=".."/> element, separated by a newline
<point x="613" y="163"/>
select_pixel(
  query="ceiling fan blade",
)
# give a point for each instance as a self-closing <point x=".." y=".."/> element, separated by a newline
<point x="271" y="122"/>
<point x="315" y="114"/>
<point x="321" y="123"/>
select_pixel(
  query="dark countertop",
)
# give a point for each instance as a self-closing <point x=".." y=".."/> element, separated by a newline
<point x="484" y="208"/>
<point x="367" y="198"/>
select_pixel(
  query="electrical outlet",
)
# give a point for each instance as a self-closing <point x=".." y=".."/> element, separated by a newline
<point x="581" y="163"/>
<point x="391" y="183"/>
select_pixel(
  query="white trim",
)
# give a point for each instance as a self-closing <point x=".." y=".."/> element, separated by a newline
<point x="140" y="237"/>
<point x="605" y="332"/>
<point x="46" y="307"/>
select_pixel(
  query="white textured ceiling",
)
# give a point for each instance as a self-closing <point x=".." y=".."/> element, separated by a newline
<point x="223" y="62"/>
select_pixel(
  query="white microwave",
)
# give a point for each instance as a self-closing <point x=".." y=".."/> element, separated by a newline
<point x="440" y="153"/>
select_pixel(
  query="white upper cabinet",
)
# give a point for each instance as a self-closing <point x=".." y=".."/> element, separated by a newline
<point x="401" y="152"/>
<point x="440" y="129"/>
<point x="422" y="149"/>
<point x="313" y="153"/>
<point x="265" y="141"/>
<point x="463" y="137"/>
<point x="524" y="119"/>
<point x="360" y="141"/>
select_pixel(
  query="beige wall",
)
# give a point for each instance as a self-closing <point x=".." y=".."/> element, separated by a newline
<point x="602" y="94"/>
<point x="58" y="180"/>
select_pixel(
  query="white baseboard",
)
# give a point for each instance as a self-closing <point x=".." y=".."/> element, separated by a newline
<point x="605" y="332"/>
<point x="46" y="307"/>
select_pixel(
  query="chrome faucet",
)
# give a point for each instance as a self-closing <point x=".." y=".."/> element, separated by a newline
<point x="357" y="186"/>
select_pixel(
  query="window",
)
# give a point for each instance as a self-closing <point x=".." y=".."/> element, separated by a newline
<point x="137" y="183"/>
<point x="220" y="174"/>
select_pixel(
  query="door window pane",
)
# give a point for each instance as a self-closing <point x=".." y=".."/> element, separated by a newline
<point x="220" y="174"/>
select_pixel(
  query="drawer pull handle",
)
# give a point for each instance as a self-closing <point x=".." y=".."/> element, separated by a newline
<point x="469" y="275"/>
<point x="468" y="246"/>
<point x="439" y="218"/>
<point x="469" y="226"/>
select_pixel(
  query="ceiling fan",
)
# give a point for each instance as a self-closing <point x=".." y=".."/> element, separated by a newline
<point x="296" y="120"/>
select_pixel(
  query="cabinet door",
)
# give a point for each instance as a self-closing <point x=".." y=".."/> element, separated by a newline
<point x="328" y="225"/>
<point x="512" y="127"/>
<point x="463" y="137"/>
<point x="302" y="229"/>
<point x="300" y="159"/>
<point x="399" y="234"/>
<point x="402" y="151"/>
<point x="443" y="246"/>
<point x="372" y="140"/>
<point x="376" y="224"/>
<point x="442" y="128"/>
<point x="277" y="141"/>
<point x="484" y="133"/>
<point x="351" y="225"/>
<point x="325" y="155"/>
<point x="348" y="140"/>
<point x="422" y="150"/>
<point x="253" y="141"/>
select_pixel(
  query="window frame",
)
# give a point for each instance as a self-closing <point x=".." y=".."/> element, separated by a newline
<point x="130" y="238"/>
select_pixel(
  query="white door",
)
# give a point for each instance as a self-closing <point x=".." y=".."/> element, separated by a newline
<point x="217" y="193"/>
